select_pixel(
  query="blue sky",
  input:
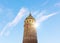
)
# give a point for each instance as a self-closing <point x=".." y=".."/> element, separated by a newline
<point x="14" y="12"/>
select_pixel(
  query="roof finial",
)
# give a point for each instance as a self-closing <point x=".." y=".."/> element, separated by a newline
<point x="30" y="14"/>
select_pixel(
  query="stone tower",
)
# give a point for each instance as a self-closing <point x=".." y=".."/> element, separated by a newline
<point x="30" y="34"/>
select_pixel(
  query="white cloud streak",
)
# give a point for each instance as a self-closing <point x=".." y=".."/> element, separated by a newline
<point x="44" y="18"/>
<point x="40" y="14"/>
<point x="34" y="12"/>
<point x="15" y="21"/>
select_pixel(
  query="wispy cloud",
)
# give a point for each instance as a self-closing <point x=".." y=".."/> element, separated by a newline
<point x="34" y="12"/>
<point x="40" y="14"/>
<point x="57" y="4"/>
<point x="15" y="21"/>
<point x="7" y="33"/>
<point x="45" y="3"/>
<point x="44" y="18"/>
<point x="6" y="13"/>
<point x="1" y="10"/>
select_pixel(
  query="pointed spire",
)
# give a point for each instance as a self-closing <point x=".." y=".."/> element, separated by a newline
<point x="30" y="14"/>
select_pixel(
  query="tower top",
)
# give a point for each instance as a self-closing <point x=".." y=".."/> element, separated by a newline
<point x="30" y="17"/>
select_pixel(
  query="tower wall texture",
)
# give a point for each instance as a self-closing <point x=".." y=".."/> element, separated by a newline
<point x="30" y="34"/>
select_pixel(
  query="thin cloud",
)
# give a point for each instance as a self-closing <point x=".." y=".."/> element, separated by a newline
<point x="6" y="13"/>
<point x="1" y="10"/>
<point x="45" y="3"/>
<point x="40" y="14"/>
<point x="34" y="12"/>
<point x="44" y="18"/>
<point x="15" y="21"/>
<point x="7" y="33"/>
<point x="57" y="4"/>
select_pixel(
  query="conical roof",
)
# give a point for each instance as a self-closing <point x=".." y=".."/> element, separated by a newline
<point x="30" y="17"/>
